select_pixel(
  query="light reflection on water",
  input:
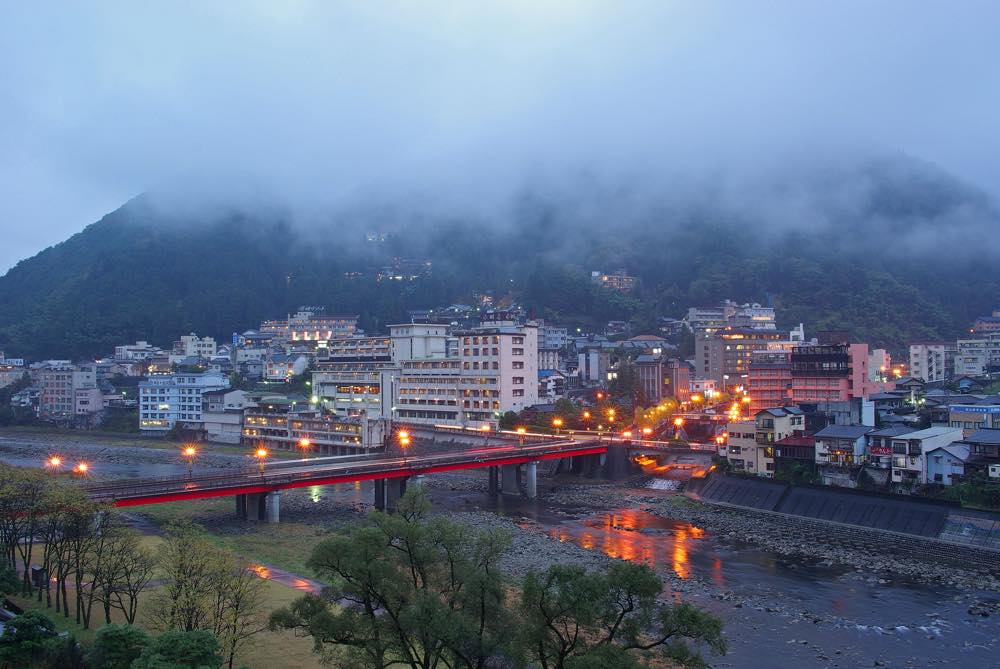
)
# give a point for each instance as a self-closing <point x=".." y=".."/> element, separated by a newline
<point x="632" y="535"/>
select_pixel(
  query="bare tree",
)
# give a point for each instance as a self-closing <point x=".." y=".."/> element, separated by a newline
<point x="122" y="577"/>
<point x="241" y="615"/>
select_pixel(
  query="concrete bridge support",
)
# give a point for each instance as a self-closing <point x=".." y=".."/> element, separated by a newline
<point x="252" y="507"/>
<point x="531" y="479"/>
<point x="272" y="502"/>
<point x="388" y="492"/>
<point x="493" y="487"/>
<point x="509" y="475"/>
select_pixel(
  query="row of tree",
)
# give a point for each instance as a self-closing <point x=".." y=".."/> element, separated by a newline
<point x="416" y="591"/>
<point x="89" y="559"/>
<point x="49" y="523"/>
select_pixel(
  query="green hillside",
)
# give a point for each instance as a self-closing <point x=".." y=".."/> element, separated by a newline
<point x="914" y="257"/>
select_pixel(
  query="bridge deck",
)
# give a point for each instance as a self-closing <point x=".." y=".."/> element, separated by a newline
<point x="300" y="474"/>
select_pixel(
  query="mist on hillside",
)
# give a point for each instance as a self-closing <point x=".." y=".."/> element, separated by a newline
<point x="650" y="113"/>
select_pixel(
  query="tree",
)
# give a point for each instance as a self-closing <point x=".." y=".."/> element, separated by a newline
<point x="240" y="594"/>
<point x="210" y="589"/>
<point x="407" y="591"/>
<point x="23" y="641"/>
<point x="123" y="575"/>
<point x="176" y="649"/>
<point x="9" y="581"/>
<point x="117" y="646"/>
<point x="574" y="619"/>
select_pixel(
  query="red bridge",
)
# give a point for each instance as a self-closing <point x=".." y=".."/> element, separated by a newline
<point x="257" y="491"/>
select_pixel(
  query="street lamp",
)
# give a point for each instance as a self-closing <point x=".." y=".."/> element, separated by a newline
<point x="304" y="444"/>
<point x="189" y="452"/>
<point x="404" y="443"/>
<point x="55" y="462"/>
<point x="520" y="436"/>
<point x="557" y="423"/>
<point x="261" y="456"/>
<point x="81" y="468"/>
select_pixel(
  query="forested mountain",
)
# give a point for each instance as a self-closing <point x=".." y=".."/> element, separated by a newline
<point x="891" y="249"/>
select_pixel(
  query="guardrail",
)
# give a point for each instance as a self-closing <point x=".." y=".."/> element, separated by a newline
<point x="130" y="488"/>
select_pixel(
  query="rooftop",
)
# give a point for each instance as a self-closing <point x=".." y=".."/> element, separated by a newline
<point x="984" y="436"/>
<point x="933" y="432"/>
<point x="844" y="431"/>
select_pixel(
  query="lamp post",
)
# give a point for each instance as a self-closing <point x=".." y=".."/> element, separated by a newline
<point x="404" y="443"/>
<point x="557" y="423"/>
<point x="304" y="444"/>
<point x="55" y="462"/>
<point x="81" y="468"/>
<point x="520" y="436"/>
<point x="261" y="456"/>
<point x="189" y="453"/>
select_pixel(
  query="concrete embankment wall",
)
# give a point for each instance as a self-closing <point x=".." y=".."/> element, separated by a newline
<point x="930" y="519"/>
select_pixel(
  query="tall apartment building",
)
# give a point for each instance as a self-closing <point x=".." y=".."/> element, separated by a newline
<point x="932" y="361"/>
<point x="309" y="325"/>
<point x="972" y="357"/>
<point x="706" y="321"/>
<point x="59" y="381"/>
<point x="277" y="423"/>
<point x="661" y="377"/>
<point x="985" y="324"/>
<point x="725" y="355"/>
<point x="550" y="337"/>
<point x="432" y="375"/>
<point x="193" y="346"/>
<point x="168" y="399"/>
<point x="769" y="381"/>
<point x="141" y="350"/>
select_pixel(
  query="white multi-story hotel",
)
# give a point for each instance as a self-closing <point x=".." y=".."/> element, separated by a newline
<point x="467" y="377"/>
<point x="193" y="346"/>
<point x="168" y="399"/>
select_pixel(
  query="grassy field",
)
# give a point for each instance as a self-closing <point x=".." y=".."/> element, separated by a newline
<point x="286" y="545"/>
<point x="268" y="651"/>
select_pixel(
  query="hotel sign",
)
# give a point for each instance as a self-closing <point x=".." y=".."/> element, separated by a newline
<point x="880" y="450"/>
<point x="964" y="408"/>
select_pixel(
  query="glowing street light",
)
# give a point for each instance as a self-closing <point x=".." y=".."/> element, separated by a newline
<point x="557" y="423"/>
<point x="305" y="444"/>
<point x="404" y="443"/>
<point x="678" y="421"/>
<point x="189" y="453"/>
<point x="55" y="462"/>
<point x="521" y="431"/>
<point x="261" y="455"/>
<point x="81" y="468"/>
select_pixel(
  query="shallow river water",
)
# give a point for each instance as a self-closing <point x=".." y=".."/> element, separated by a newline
<point x="779" y="612"/>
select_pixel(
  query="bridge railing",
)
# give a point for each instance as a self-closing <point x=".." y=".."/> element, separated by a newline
<point x="124" y="489"/>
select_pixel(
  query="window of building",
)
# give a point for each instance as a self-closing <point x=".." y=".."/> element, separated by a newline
<point x="518" y="380"/>
<point x="517" y="351"/>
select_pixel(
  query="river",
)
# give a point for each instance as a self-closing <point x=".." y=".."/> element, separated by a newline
<point x="779" y="612"/>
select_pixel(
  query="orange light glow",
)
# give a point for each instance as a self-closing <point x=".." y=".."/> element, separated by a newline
<point x="647" y="430"/>
<point x="55" y="461"/>
<point x="557" y="422"/>
<point x="627" y="434"/>
<point x="678" y="421"/>
<point x="403" y="434"/>
<point x="522" y="430"/>
<point x="261" y="453"/>
<point x="304" y="443"/>
<point x="190" y="452"/>
<point x="485" y="428"/>
<point x="82" y="467"/>
<point x="586" y="415"/>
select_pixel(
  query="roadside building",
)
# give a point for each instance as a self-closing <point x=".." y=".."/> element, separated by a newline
<point x="192" y="346"/>
<point x="971" y="417"/>
<point x="909" y="464"/>
<point x="661" y="377"/>
<point x="751" y="444"/>
<point x="551" y="385"/>
<point x="984" y="453"/>
<point x="946" y="464"/>
<point x="166" y="400"/>
<point x="795" y="454"/>
<point x="309" y="325"/>
<point x="840" y="452"/>
<point x="972" y="357"/>
<point x="741" y="446"/>
<point x="222" y="414"/>
<point x="879" y="445"/>
<point x="277" y="422"/>
<point x="725" y="356"/>
<point x="59" y="381"/>
<point x="932" y="361"/>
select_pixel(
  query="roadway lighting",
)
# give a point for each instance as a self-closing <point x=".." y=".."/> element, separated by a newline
<point x="55" y="461"/>
<point x="586" y="415"/>
<point x="646" y="431"/>
<point x="404" y="443"/>
<point x="304" y="444"/>
<point x="261" y="456"/>
<point x="81" y="468"/>
<point x="678" y="421"/>
<point x="627" y="434"/>
<point x="557" y="423"/>
<point x="520" y="436"/>
<point x="189" y="452"/>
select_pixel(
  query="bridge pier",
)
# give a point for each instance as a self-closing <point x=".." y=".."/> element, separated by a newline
<point x="494" y="480"/>
<point x="272" y="503"/>
<point x="388" y="492"/>
<point x="241" y="507"/>
<point x="509" y="475"/>
<point x="531" y="479"/>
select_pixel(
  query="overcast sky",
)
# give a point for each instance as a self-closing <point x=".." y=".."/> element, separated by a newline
<point x="312" y="101"/>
